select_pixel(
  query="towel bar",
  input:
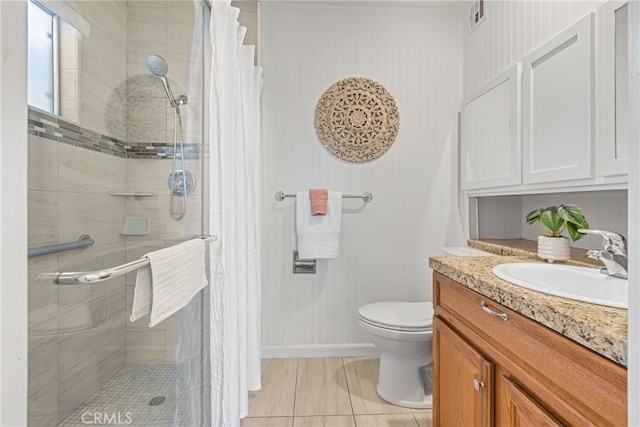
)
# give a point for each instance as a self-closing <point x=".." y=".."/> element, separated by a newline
<point x="74" y="278"/>
<point x="367" y="197"/>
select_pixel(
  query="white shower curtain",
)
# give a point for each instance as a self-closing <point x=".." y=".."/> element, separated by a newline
<point x="234" y="154"/>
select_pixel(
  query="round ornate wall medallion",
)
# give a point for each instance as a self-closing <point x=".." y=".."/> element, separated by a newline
<point x="357" y="120"/>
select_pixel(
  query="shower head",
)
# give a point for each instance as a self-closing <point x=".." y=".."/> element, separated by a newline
<point x="157" y="65"/>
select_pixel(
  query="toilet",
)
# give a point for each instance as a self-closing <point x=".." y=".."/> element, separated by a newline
<point x="402" y="331"/>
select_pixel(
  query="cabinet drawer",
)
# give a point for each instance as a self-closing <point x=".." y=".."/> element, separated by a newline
<point x="585" y="385"/>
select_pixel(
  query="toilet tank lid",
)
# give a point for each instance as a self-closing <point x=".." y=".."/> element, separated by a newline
<point x="399" y="314"/>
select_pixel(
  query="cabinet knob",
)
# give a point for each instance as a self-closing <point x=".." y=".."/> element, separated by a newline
<point x="477" y="384"/>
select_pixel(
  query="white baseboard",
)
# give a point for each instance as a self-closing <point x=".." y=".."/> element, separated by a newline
<point x="318" y="350"/>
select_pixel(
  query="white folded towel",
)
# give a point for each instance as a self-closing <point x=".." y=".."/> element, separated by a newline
<point x="318" y="236"/>
<point x="174" y="276"/>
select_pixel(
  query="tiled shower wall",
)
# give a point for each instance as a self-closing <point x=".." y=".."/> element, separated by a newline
<point x="76" y="333"/>
<point x="165" y="28"/>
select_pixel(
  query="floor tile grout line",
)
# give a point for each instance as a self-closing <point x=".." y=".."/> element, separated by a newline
<point x="415" y="419"/>
<point x="295" y="388"/>
<point x="346" y="380"/>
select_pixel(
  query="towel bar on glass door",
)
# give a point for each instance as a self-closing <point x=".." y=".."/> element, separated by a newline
<point x="74" y="278"/>
<point x="367" y="197"/>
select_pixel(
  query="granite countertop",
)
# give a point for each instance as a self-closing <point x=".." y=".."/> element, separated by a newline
<point x="599" y="328"/>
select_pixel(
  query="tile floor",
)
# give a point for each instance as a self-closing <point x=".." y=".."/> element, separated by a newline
<point x="327" y="392"/>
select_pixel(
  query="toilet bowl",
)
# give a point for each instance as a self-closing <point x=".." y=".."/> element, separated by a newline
<point x="402" y="331"/>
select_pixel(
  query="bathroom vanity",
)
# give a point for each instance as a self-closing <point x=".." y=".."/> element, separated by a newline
<point x="504" y="355"/>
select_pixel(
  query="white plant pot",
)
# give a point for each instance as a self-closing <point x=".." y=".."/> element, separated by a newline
<point x="553" y="248"/>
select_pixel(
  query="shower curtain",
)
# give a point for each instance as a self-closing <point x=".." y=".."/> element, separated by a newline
<point x="234" y="160"/>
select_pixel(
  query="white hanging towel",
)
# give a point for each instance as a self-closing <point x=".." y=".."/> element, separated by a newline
<point x="174" y="276"/>
<point x="318" y="236"/>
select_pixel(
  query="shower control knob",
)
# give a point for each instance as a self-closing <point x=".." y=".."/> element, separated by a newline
<point x="477" y="384"/>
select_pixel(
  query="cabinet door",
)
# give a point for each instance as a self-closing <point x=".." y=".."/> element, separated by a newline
<point x="491" y="134"/>
<point x="524" y="410"/>
<point x="558" y="107"/>
<point x="613" y="89"/>
<point x="463" y="379"/>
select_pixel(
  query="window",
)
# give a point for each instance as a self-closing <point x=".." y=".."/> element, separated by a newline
<point x="42" y="58"/>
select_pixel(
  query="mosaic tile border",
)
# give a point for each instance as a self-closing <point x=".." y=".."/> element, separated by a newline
<point x="54" y="128"/>
<point x="158" y="150"/>
<point x="51" y="127"/>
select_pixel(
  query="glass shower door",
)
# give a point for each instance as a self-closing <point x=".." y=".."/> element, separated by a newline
<point x="99" y="163"/>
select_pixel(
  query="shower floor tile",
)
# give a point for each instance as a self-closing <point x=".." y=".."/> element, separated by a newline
<point x="127" y="396"/>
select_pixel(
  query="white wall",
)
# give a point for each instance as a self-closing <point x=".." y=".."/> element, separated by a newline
<point x="13" y="214"/>
<point x="415" y="53"/>
<point x="511" y="30"/>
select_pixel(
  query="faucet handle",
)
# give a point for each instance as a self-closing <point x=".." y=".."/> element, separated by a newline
<point x="610" y="239"/>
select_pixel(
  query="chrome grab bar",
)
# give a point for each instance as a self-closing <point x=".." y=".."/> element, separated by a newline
<point x="74" y="278"/>
<point x="83" y="241"/>
<point x="367" y="197"/>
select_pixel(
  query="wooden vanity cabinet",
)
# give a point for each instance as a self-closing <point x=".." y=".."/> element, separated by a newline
<point x="512" y="371"/>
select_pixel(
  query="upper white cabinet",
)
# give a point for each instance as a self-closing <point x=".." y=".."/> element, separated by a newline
<point x="491" y="134"/>
<point x="613" y="88"/>
<point x="558" y="107"/>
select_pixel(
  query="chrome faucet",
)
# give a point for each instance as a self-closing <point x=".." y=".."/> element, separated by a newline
<point x="613" y="255"/>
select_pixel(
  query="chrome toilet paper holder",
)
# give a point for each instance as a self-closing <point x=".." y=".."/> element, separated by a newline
<point x="303" y="266"/>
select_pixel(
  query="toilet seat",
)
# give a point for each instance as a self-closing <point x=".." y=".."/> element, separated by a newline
<point x="398" y="316"/>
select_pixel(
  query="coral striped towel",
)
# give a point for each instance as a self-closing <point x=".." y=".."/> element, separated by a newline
<point x="318" y="198"/>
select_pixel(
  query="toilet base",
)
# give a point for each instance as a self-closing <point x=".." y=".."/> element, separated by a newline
<point x="427" y="402"/>
<point x="399" y="379"/>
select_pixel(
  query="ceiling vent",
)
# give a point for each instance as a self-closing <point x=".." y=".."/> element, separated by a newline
<point x="476" y="14"/>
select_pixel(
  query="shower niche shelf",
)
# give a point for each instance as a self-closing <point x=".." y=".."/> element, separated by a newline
<point x="132" y="194"/>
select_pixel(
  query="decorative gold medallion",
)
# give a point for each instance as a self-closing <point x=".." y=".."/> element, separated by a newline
<point x="357" y="120"/>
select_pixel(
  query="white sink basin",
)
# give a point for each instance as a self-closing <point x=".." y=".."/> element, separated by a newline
<point x="576" y="283"/>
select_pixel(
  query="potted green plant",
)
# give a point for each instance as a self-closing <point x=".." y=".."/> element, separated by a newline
<point x="553" y="221"/>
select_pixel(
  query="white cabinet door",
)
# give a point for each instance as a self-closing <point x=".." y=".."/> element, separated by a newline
<point x="491" y="134"/>
<point x="613" y="89"/>
<point x="558" y="107"/>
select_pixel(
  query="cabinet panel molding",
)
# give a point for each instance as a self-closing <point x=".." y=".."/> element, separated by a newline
<point x="558" y="107"/>
<point x="463" y="381"/>
<point x="524" y="410"/>
<point x="612" y="89"/>
<point x="491" y="142"/>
